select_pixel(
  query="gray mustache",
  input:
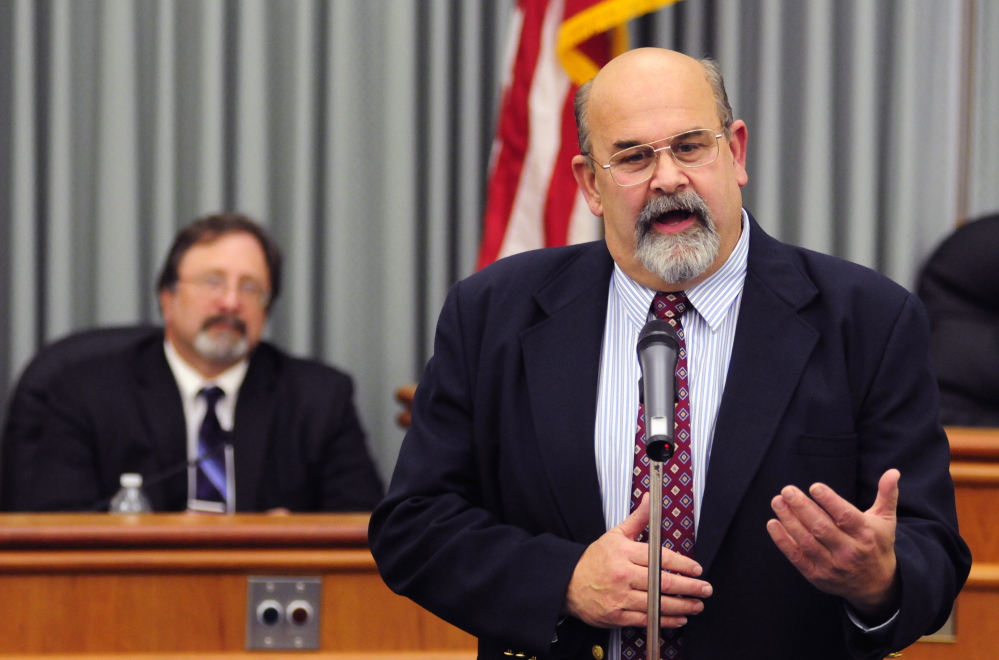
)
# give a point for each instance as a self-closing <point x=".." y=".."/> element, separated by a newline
<point x="236" y="323"/>
<point x="687" y="200"/>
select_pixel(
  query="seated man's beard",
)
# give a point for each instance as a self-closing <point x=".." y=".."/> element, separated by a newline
<point x="226" y="347"/>
<point x="677" y="258"/>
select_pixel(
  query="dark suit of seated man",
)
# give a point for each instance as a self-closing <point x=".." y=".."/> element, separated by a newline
<point x="291" y="437"/>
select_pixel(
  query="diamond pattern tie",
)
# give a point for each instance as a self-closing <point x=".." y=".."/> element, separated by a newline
<point x="211" y="482"/>
<point x="678" y="492"/>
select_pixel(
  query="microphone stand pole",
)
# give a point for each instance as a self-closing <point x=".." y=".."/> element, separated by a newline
<point x="658" y="348"/>
<point x="655" y="556"/>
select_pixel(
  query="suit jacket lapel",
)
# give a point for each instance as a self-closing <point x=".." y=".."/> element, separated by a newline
<point x="561" y="361"/>
<point x="772" y="347"/>
<point x="254" y="412"/>
<point x="163" y="417"/>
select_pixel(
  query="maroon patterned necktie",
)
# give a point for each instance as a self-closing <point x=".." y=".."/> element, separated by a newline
<point x="678" y="476"/>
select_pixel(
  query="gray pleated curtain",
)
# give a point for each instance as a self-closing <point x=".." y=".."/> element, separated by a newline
<point x="359" y="131"/>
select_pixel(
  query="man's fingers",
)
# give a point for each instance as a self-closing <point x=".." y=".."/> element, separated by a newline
<point x="640" y="620"/>
<point x="609" y="586"/>
<point x="838" y="548"/>
<point x="673" y="606"/>
<point x="800" y="517"/>
<point x="681" y="585"/>
<point x="784" y="542"/>
<point x="677" y="563"/>
<point x="633" y="525"/>
<point x="679" y="574"/>
<point x="847" y="518"/>
<point x="886" y="503"/>
<point x="669" y="560"/>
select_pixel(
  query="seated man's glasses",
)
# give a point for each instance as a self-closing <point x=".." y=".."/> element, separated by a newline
<point x="635" y="165"/>
<point x="217" y="285"/>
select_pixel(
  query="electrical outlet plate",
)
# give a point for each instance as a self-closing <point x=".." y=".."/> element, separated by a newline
<point x="282" y="613"/>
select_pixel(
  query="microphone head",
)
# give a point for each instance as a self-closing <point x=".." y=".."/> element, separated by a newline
<point x="658" y="332"/>
<point x="658" y="348"/>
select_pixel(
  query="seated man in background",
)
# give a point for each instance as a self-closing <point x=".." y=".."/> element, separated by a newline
<point x="960" y="288"/>
<point x="213" y="418"/>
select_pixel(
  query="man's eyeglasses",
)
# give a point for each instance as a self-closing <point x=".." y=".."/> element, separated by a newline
<point x="635" y="165"/>
<point x="216" y="284"/>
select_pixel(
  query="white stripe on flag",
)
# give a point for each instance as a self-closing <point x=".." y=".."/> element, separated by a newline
<point x="550" y="84"/>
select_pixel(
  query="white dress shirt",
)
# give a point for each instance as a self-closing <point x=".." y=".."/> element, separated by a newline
<point x="190" y="383"/>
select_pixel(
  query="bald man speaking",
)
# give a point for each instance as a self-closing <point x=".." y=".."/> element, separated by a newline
<point x="808" y="509"/>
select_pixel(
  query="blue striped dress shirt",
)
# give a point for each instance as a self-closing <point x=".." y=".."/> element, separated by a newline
<point x="709" y="329"/>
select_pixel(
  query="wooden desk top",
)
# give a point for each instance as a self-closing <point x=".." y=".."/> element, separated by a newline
<point x="182" y="530"/>
<point x="971" y="443"/>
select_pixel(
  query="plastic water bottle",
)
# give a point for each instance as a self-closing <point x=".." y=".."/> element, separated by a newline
<point x="130" y="498"/>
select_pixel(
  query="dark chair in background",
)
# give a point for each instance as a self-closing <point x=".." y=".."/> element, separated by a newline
<point x="27" y="408"/>
<point x="960" y="287"/>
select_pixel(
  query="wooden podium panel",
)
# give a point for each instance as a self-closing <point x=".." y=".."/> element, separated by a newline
<point x="169" y="585"/>
<point x="975" y="469"/>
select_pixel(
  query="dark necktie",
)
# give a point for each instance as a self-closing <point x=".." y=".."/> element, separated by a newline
<point x="678" y="476"/>
<point x="211" y="481"/>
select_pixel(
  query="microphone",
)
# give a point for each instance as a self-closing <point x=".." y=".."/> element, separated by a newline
<point x="161" y="476"/>
<point x="658" y="348"/>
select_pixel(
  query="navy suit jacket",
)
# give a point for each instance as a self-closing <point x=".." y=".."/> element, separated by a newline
<point x="495" y="495"/>
<point x="297" y="439"/>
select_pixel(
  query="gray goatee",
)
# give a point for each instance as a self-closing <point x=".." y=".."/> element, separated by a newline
<point x="228" y="347"/>
<point x="677" y="258"/>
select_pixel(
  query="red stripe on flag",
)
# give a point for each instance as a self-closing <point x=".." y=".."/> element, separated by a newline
<point x="562" y="188"/>
<point x="513" y="132"/>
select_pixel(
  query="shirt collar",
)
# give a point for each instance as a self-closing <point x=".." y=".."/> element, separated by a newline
<point x="190" y="382"/>
<point x="712" y="298"/>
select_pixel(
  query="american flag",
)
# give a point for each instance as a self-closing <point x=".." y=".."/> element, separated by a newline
<point x="556" y="45"/>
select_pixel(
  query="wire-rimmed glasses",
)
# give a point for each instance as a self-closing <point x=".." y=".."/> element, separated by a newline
<point x="217" y="285"/>
<point x="635" y="165"/>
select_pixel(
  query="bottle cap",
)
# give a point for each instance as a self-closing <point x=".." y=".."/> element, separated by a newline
<point x="130" y="480"/>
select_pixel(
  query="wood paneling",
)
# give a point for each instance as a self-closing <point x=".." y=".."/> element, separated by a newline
<point x="62" y="531"/>
<point x="973" y="443"/>
<point x="176" y="584"/>
<point x="975" y="469"/>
